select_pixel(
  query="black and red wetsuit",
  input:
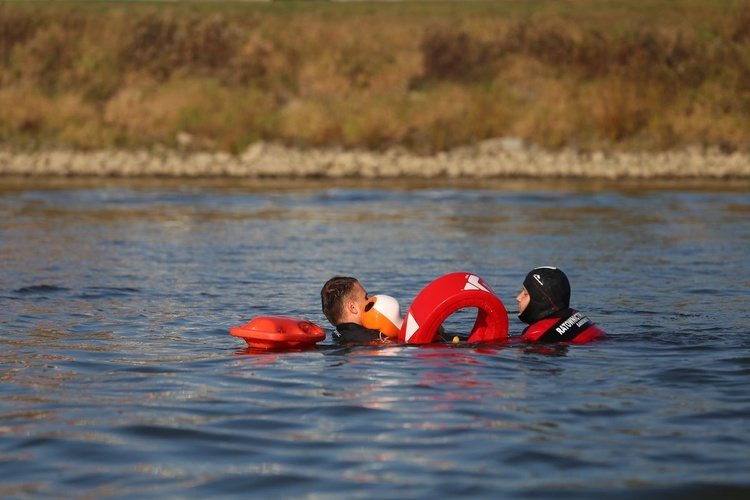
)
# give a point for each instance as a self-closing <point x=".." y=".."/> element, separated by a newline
<point x="548" y="311"/>
<point x="567" y="325"/>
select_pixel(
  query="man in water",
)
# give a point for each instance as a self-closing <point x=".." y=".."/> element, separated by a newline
<point x="544" y="304"/>
<point x="343" y="300"/>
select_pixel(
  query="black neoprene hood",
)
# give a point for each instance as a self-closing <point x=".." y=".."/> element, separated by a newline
<point x="549" y="292"/>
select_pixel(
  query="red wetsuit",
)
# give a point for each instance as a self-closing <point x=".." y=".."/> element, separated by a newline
<point x="567" y="326"/>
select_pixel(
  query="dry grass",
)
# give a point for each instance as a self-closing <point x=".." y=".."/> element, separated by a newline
<point x="583" y="74"/>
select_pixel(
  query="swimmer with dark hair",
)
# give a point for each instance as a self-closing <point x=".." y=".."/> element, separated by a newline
<point x="343" y="300"/>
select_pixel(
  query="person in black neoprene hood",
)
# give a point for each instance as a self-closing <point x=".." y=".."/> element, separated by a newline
<point x="544" y="304"/>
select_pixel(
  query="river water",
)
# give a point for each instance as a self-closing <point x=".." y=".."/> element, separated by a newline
<point x="120" y="379"/>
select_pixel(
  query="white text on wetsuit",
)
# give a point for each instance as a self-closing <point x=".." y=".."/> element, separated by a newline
<point x="578" y="319"/>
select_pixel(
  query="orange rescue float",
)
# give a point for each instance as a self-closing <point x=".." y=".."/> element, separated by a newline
<point x="448" y="294"/>
<point x="383" y="313"/>
<point x="279" y="332"/>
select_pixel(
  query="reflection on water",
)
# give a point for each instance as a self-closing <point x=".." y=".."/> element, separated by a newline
<point x="120" y="378"/>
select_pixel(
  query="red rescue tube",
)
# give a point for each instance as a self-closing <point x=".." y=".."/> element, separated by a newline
<point x="279" y="332"/>
<point x="448" y="294"/>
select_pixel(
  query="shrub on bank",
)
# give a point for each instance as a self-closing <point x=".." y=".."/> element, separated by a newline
<point x="428" y="77"/>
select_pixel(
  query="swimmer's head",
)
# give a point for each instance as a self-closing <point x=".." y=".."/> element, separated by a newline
<point x="383" y="313"/>
<point x="549" y="292"/>
<point x="341" y="299"/>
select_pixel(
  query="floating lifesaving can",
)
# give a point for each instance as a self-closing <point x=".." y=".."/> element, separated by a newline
<point x="279" y="332"/>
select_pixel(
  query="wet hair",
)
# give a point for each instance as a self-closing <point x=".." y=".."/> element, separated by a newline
<point x="333" y="295"/>
<point x="549" y="292"/>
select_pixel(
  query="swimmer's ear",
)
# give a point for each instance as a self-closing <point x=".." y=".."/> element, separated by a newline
<point x="352" y="306"/>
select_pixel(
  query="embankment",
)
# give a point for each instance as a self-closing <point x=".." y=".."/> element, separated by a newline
<point x="500" y="158"/>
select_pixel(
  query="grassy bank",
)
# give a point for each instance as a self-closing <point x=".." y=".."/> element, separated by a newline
<point x="586" y="74"/>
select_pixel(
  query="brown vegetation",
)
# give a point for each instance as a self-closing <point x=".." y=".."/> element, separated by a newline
<point x="429" y="77"/>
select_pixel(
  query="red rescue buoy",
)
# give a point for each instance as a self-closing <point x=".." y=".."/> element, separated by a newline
<point x="279" y="332"/>
<point x="448" y="294"/>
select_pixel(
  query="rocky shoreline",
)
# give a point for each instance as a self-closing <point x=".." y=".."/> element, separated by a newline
<point x="499" y="158"/>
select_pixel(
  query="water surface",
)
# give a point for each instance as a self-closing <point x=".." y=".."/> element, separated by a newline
<point x="120" y="378"/>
